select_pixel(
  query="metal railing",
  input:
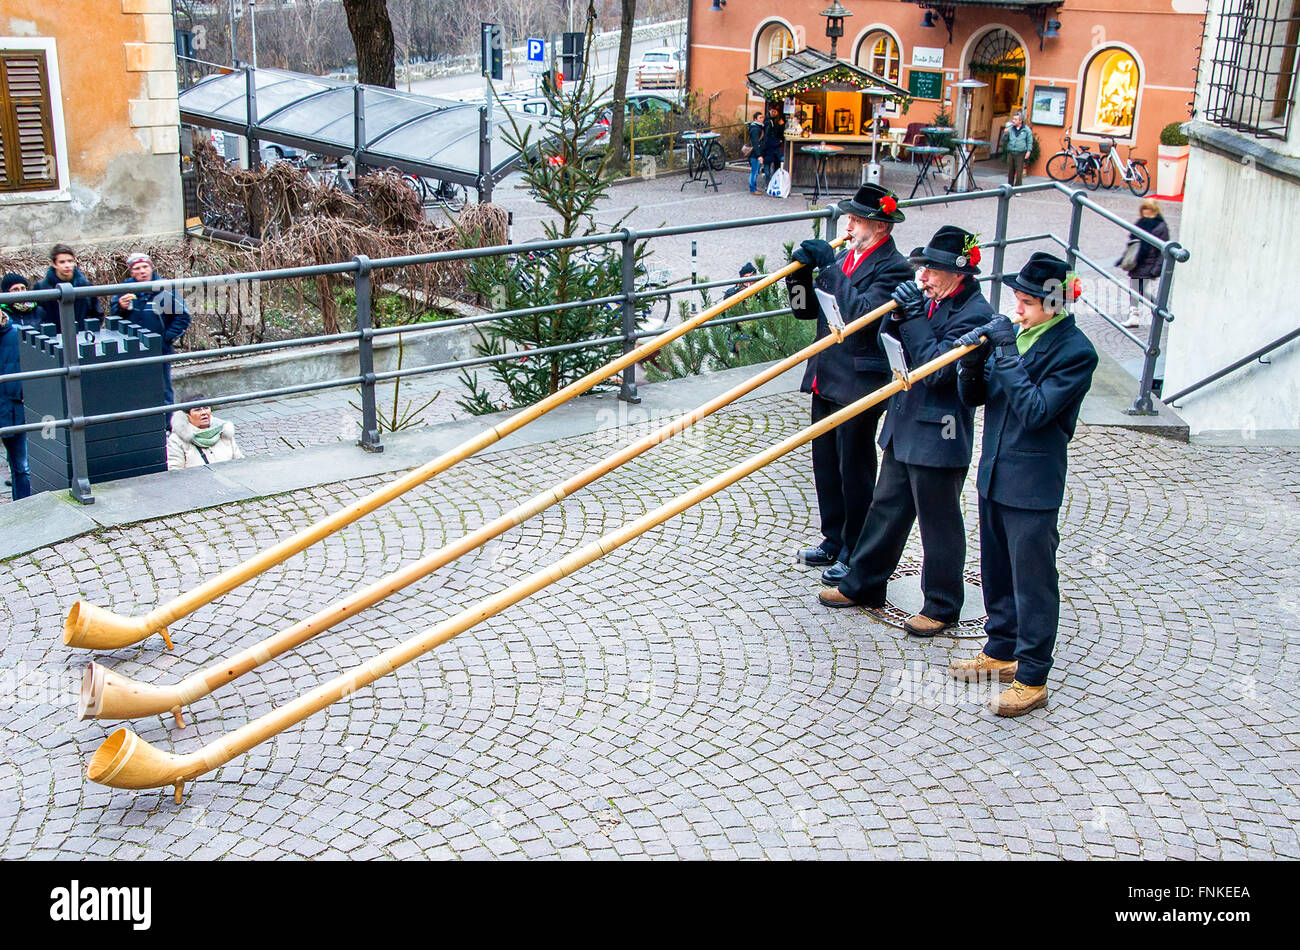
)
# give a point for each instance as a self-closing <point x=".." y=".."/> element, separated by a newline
<point x="361" y="268"/>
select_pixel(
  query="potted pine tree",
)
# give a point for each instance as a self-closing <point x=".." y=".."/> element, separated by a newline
<point x="1171" y="169"/>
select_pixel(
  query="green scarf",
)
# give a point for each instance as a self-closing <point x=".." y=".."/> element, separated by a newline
<point x="207" y="438"/>
<point x="1027" y="338"/>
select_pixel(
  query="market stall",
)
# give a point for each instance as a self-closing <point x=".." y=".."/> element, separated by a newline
<point x="829" y="101"/>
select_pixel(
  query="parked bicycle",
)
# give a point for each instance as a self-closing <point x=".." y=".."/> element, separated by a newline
<point x="1072" y="162"/>
<point x="1132" y="170"/>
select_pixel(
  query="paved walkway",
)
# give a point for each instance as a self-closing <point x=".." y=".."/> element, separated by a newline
<point x="686" y="696"/>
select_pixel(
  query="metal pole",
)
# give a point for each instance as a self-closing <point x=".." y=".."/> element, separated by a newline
<point x="484" y="185"/>
<point x="366" y="359"/>
<point x="1076" y="224"/>
<point x="358" y="126"/>
<point x="252" y="25"/>
<point x="234" y="57"/>
<point x="1000" y="245"/>
<point x="628" y="392"/>
<point x="79" y="484"/>
<point x="1143" y="405"/>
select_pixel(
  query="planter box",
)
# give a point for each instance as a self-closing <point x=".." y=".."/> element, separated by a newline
<point x="1171" y="169"/>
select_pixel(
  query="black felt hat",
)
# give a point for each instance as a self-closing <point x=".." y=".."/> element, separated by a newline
<point x="867" y="204"/>
<point x="947" y="251"/>
<point x="1042" y="276"/>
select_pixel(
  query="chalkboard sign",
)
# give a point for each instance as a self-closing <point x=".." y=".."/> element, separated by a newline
<point x="922" y="84"/>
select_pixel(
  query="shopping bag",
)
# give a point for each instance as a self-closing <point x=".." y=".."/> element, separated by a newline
<point x="779" y="186"/>
<point x="1129" y="259"/>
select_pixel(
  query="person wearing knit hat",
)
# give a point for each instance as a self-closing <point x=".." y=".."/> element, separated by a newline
<point x="21" y="312"/>
<point x="160" y="311"/>
<point x="11" y="392"/>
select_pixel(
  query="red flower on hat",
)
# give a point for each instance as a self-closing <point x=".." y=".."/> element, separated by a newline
<point x="1076" y="288"/>
<point x="888" y="204"/>
<point x="974" y="255"/>
<point x="970" y="248"/>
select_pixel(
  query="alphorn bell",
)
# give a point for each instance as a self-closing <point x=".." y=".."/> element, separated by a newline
<point x="94" y="628"/>
<point x="124" y="760"/>
<point x="109" y="695"/>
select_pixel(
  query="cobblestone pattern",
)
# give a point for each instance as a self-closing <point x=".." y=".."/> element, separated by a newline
<point x="686" y="696"/>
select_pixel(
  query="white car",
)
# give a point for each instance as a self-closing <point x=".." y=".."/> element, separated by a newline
<point x="661" y="69"/>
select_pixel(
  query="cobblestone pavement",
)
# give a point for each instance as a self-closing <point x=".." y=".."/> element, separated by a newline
<point x="686" y="696"/>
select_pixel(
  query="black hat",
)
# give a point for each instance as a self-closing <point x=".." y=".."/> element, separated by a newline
<point x="867" y="204"/>
<point x="951" y="249"/>
<point x="1042" y="276"/>
<point x="748" y="268"/>
<point x="10" y="280"/>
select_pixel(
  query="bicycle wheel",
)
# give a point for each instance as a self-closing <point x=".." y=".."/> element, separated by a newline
<point x="717" y="157"/>
<point x="1140" y="182"/>
<point x="1107" y="172"/>
<point x="1061" y="167"/>
<point x="1089" y="176"/>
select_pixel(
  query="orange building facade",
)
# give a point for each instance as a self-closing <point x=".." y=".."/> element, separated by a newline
<point x="1094" y="70"/>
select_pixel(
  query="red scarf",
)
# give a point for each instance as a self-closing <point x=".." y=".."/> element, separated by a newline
<point x="853" y="259"/>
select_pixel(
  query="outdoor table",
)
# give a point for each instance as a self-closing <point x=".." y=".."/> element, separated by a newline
<point x="697" y="158"/>
<point x="929" y="155"/>
<point x="965" y="149"/>
<point x="821" y="152"/>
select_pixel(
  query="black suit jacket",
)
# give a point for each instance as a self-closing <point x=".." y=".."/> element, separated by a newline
<point x="929" y="424"/>
<point x="1031" y="408"/>
<point x="847" y="371"/>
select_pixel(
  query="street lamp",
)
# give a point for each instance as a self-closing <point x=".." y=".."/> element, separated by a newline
<point x="835" y="15"/>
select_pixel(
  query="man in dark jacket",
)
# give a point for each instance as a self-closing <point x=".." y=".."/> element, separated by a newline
<point x="1032" y="384"/>
<point x="928" y="437"/>
<point x="773" y="141"/>
<point x="63" y="269"/>
<point x="861" y="277"/>
<point x="162" y="311"/>
<point x="11" y="392"/>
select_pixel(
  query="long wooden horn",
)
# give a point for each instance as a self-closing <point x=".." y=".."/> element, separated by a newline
<point x="124" y="760"/>
<point x="109" y="695"/>
<point x="94" y="628"/>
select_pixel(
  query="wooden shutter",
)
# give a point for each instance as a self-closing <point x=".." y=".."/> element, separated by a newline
<point x="27" y="161"/>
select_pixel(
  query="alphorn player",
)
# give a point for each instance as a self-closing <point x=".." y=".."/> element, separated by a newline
<point x="1031" y="384"/>
<point x="928" y="437"/>
<point x="861" y="277"/>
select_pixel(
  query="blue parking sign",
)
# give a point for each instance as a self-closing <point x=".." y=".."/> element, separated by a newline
<point x="536" y="51"/>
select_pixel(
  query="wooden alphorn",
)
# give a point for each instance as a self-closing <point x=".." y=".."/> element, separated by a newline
<point x="94" y="628"/>
<point x="124" y="760"/>
<point x="109" y="695"/>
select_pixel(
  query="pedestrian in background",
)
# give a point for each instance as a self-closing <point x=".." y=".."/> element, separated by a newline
<point x="11" y="392"/>
<point x="1149" y="262"/>
<point x="63" y="269"/>
<point x="773" y="140"/>
<point x="754" y="131"/>
<point x="161" y="311"/>
<point x="199" y="438"/>
<point x="1019" y="141"/>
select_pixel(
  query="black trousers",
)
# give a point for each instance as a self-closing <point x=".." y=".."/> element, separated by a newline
<point x="906" y="494"/>
<point x="844" y="471"/>
<point x="1021" y="594"/>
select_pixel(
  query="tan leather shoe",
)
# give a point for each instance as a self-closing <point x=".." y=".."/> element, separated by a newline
<point x="1018" y="699"/>
<point x="831" y="597"/>
<point x="919" y="625"/>
<point x="983" y="668"/>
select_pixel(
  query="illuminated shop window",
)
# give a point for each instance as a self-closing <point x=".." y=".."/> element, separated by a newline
<point x="878" y="53"/>
<point x="1110" y="94"/>
<point x="774" y="43"/>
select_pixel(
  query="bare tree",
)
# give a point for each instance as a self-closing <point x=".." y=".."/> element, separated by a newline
<point x="620" y="81"/>
<point x="372" y="35"/>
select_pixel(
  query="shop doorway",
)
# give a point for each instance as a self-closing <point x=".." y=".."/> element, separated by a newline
<point x="998" y="59"/>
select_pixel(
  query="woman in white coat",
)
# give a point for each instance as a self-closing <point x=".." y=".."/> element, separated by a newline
<point x="197" y="439"/>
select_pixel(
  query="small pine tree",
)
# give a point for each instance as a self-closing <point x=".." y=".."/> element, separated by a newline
<point x="566" y="170"/>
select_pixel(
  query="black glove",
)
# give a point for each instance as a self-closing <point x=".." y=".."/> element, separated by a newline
<point x="910" y="299"/>
<point x="971" y="338"/>
<point x="816" y="253"/>
<point x="1000" y="332"/>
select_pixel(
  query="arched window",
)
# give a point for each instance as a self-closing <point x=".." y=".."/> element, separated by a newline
<point x="775" y="42"/>
<point x="878" y="53"/>
<point x="999" y="60"/>
<point x="1109" y="94"/>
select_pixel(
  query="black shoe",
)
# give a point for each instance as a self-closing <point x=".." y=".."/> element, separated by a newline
<point x="832" y="576"/>
<point x="819" y="556"/>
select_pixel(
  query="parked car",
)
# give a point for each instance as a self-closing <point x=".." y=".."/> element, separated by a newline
<point x="661" y="69"/>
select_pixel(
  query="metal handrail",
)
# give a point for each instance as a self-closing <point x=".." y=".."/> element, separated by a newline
<point x="1213" y="377"/>
<point x="361" y="268"/>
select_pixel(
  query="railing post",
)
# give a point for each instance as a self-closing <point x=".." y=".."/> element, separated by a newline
<point x="1000" y="246"/>
<point x="366" y="357"/>
<point x="1142" y="405"/>
<point x="627" y="392"/>
<point x="79" y="484"/>
<point x="1076" y="225"/>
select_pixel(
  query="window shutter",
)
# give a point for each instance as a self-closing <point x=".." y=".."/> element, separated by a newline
<point x="26" y="128"/>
